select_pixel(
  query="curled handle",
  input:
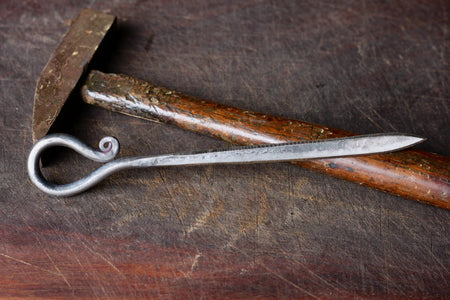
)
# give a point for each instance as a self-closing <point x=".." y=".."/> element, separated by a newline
<point x="108" y="149"/>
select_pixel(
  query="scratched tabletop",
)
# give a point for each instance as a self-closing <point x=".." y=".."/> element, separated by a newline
<point x="237" y="231"/>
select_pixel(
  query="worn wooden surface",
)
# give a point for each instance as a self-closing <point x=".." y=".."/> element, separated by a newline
<point x="272" y="230"/>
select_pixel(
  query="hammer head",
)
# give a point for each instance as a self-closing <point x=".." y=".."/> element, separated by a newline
<point x="66" y="67"/>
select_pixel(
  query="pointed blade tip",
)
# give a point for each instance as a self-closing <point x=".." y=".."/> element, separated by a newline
<point x="404" y="141"/>
<point x="414" y="139"/>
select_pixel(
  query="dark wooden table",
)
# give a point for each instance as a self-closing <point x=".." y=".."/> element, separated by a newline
<point x="272" y="230"/>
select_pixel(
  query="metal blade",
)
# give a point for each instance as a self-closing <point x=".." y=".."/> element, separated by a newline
<point x="348" y="146"/>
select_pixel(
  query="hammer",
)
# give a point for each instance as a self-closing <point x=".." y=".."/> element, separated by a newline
<point x="412" y="174"/>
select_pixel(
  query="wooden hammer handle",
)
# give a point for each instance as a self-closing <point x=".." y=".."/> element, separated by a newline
<point x="411" y="174"/>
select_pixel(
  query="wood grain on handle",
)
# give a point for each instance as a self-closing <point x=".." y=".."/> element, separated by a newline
<point x="412" y="174"/>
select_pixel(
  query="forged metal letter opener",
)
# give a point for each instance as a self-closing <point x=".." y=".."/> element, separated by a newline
<point x="109" y="146"/>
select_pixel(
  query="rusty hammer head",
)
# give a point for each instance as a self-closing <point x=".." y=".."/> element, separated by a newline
<point x="66" y="67"/>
